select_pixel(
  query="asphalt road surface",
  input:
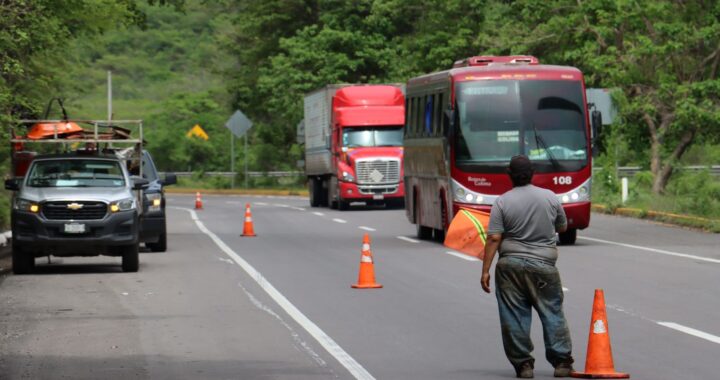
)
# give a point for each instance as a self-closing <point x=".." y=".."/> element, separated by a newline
<point x="279" y="306"/>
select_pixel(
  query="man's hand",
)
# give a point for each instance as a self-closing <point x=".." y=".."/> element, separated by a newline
<point x="485" y="282"/>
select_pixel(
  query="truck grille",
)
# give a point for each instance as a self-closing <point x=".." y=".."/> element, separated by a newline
<point x="377" y="171"/>
<point x="61" y="211"/>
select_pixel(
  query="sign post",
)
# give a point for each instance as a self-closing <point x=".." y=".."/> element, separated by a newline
<point x="238" y="124"/>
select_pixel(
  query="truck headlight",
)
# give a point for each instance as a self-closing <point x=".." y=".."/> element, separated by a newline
<point x="123" y="205"/>
<point x="155" y="202"/>
<point x="347" y="177"/>
<point x="26" y="205"/>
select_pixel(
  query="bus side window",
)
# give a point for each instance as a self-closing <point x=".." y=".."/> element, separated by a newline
<point x="406" y="132"/>
<point x="417" y="118"/>
<point x="427" y="122"/>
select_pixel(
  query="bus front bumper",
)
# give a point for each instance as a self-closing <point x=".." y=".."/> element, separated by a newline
<point x="578" y="214"/>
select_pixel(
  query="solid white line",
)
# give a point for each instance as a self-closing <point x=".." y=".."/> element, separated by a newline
<point x="367" y="228"/>
<point x="462" y="256"/>
<point x="319" y="213"/>
<point x="691" y="331"/>
<point x="669" y="253"/>
<point x="357" y="370"/>
<point x="407" y="239"/>
<point x="339" y="220"/>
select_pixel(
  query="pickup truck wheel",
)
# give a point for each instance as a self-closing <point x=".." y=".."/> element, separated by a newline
<point x="160" y="245"/>
<point x="130" y="258"/>
<point x="568" y="237"/>
<point x="23" y="262"/>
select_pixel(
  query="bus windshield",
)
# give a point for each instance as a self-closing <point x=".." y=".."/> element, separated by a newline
<point x="364" y="137"/>
<point x="76" y="173"/>
<point x="498" y="119"/>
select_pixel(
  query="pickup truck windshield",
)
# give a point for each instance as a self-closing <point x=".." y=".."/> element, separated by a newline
<point x="76" y="173"/>
<point x="372" y="136"/>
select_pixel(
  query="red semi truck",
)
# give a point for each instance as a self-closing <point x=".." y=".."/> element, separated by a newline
<point x="353" y="145"/>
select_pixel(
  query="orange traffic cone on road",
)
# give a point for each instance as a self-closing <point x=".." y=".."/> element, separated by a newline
<point x="366" y="278"/>
<point x="599" y="361"/>
<point x="248" y="229"/>
<point x="198" y="201"/>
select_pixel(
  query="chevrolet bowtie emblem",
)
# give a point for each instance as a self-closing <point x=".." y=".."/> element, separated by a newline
<point x="74" y="206"/>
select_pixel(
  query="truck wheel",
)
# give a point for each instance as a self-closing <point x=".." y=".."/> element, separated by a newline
<point x="130" y="258"/>
<point x="343" y="205"/>
<point x="314" y="189"/>
<point x="568" y="237"/>
<point x="23" y="262"/>
<point x="160" y="245"/>
<point x="423" y="233"/>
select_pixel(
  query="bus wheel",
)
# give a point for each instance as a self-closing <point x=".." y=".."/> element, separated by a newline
<point x="568" y="237"/>
<point x="423" y="233"/>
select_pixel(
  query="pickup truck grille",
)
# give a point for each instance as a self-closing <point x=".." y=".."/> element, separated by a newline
<point x="379" y="171"/>
<point x="70" y="211"/>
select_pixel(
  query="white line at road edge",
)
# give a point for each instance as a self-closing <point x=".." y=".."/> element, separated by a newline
<point x="367" y="228"/>
<point x="669" y="253"/>
<point x="691" y="331"/>
<point x="357" y="370"/>
<point x="407" y="239"/>
<point x="462" y="256"/>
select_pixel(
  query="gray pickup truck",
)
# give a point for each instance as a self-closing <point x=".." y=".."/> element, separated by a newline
<point x="75" y="205"/>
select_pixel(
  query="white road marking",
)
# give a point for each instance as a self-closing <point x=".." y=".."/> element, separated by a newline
<point x="669" y="253"/>
<point x="565" y="289"/>
<point x="407" y="239"/>
<point x="319" y="213"/>
<point x="367" y="228"/>
<point x="462" y="256"/>
<point x="357" y="370"/>
<point x="336" y="220"/>
<point x="691" y="331"/>
<point x="227" y="261"/>
<point x="298" y="208"/>
<point x="260" y="203"/>
<point x="280" y="205"/>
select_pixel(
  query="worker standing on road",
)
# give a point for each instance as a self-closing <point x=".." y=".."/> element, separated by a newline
<point x="523" y="223"/>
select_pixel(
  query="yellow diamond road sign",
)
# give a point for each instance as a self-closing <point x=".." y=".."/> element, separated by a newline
<point x="197" y="131"/>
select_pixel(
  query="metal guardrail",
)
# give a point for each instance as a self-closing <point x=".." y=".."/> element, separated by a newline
<point x="623" y="171"/>
<point x="250" y="174"/>
<point x="629" y="171"/>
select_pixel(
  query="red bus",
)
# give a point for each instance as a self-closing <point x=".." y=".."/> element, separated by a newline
<point x="464" y="124"/>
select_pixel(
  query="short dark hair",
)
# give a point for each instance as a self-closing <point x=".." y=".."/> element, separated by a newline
<point x="520" y="170"/>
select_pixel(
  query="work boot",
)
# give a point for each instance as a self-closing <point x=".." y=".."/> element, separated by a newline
<point x="525" y="370"/>
<point x="563" y="369"/>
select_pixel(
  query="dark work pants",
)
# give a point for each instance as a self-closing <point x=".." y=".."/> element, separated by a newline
<point x="520" y="285"/>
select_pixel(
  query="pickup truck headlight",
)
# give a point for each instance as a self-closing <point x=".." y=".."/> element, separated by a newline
<point x="155" y="202"/>
<point x="26" y="205"/>
<point x="123" y="205"/>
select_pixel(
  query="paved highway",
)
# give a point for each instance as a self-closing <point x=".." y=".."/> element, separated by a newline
<point x="280" y="306"/>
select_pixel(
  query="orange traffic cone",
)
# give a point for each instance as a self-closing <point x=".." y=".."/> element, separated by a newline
<point x="198" y="201"/>
<point x="248" y="229"/>
<point x="366" y="278"/>
<point x="599" y="361"/>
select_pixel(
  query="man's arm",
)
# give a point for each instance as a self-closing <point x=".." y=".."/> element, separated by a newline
<point x="491" y="246"/>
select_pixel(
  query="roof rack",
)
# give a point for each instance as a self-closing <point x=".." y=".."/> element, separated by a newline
<point x="71" y="131"/>
<point x="486" y="60"/>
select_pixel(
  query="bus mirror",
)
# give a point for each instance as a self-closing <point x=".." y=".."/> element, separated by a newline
<point x="450" y="115"/>
<point x="596" y="120"/>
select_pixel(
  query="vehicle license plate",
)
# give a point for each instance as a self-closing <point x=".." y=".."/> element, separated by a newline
<point x="74" y="228"/>
<point x="378" y="197"/>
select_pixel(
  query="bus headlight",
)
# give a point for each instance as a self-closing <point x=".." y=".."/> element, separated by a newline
<point x="580" y="194"/>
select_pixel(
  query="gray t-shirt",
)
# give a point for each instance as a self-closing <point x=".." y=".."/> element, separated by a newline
<point x="527" y="217"/>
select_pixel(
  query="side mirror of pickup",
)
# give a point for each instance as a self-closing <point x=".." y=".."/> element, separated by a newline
<point x="139" y="183"/>
<point x="170" y="179"/>
<point x="12" y="184"/>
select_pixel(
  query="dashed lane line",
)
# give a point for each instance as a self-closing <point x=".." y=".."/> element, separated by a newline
<point x="318" y="213"/>
<point x="347" y="361"/>
<point x="367" y="228"/>
<point x="407" y="239"/>
<point x="462" y="256"/>
<point x="691" y="331"/>
<point x="654" y="250"/>
<point x="341" y="221"/>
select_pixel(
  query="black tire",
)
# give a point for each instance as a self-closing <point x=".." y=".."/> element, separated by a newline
<point x="423" y="233"/>
<point x="314" y="189"/>
<point x="130" y="258"/>
<point x="440" y="234"/>
<point x="160" y="245"/>
<point x="23" y="261"/>
<point x="568" y="237"/>
<point x="343" y="205"/>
